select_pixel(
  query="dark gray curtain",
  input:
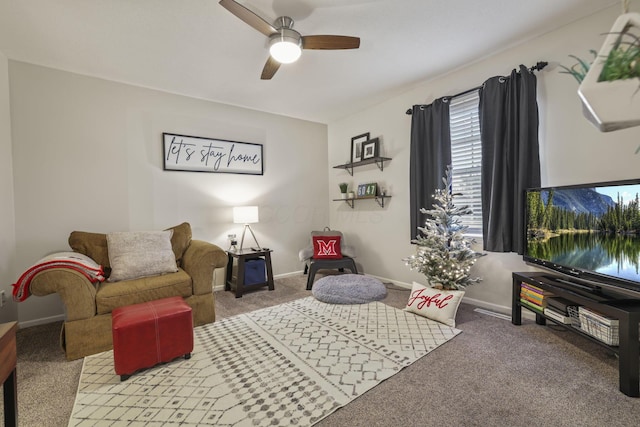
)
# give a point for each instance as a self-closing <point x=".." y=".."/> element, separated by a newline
<point x="510" y="157"/>
<point x="430" y="156"/>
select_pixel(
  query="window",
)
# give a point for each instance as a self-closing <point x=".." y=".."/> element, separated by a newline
<point x="466" y="157"/>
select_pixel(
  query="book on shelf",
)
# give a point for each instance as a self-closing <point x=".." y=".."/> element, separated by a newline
<point x="532" y="300"/>
<point x="532" y="292"/>
<point x="534" y="295"/>
<point x="557" y="316"/>
<point x="535" y="289"/>
<point x="531" y="296"/>
<point x="531" y="305"/>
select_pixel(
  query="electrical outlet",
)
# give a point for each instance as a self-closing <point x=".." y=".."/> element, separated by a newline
<point x="2" y="300"/>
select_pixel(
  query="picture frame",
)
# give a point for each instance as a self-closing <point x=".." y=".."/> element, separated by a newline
<point x="356" y="146"/>
<point x="370" y="149"/>
<point x="198" y="154"/>
<point x="367" y="191"/>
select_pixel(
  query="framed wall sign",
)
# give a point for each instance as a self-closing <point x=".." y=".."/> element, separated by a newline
<point x="197" y="154"/>
<point x="370" y="149"/>
<point x="367" y="190"/>
<point x="356" y="146"/>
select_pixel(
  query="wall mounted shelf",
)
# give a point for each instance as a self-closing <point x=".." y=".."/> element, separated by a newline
<point x="379" y="161"/>
<point x="351" y="202"/>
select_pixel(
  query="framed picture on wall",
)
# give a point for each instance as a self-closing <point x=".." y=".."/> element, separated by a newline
<point x="356" y="146"/>
<point x="370" y="149"/>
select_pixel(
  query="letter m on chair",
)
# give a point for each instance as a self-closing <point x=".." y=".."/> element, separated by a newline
<point x="327" y="248"/>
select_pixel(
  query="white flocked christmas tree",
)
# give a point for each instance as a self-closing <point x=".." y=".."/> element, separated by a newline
<point x="444" y="254"/>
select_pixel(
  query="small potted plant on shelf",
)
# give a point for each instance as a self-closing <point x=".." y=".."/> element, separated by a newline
<point x="343" y="189"/>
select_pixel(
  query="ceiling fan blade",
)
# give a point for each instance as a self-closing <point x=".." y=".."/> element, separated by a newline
<point x="248" y="17"/>
<point x="269" y="69"/>
<point x="330" y="42"/>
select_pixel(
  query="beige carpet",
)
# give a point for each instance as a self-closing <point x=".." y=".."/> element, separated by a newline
<point x="487" y="376"/>
<point x="290" y="364"/>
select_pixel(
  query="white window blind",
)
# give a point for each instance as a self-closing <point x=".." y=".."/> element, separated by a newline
<point x="466" y="157"/>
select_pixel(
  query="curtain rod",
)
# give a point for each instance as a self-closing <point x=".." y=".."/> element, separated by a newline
<point x="539" y="66"/>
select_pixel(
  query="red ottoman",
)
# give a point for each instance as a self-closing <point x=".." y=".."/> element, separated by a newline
<point x="150" y="333"/>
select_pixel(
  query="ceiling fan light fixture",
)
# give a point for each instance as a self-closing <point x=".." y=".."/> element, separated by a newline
<point x="286" y="46"/>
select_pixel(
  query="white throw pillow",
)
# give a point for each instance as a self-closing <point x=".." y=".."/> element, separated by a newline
<point x="434" y="304"/>
<point x="134" y="254"/>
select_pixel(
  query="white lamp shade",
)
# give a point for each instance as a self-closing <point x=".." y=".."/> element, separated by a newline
<point x="286" y="45"/>
<point x="285" y="52"/>
<point x="245" y="214"/>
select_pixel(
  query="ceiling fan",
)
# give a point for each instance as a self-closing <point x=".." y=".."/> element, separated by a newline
<point x="285" y="43"/>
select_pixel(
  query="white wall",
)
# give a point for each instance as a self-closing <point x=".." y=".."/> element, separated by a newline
<point x="7" y="224"/>
<point x="88" y="156"/>
<point x="572" y="151"/>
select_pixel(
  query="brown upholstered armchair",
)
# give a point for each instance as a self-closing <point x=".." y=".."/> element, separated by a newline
<point x="87" y="327"/>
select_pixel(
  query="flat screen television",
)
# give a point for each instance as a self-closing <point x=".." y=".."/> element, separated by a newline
<point x="589" y="232"/>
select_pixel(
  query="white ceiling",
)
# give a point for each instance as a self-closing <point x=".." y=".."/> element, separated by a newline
<point x="199" y="49"/>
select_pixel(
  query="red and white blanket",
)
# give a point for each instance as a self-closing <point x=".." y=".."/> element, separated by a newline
<point x="70" y="260"/>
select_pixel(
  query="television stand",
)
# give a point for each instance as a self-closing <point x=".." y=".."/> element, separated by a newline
<point x="593" y="290"/>
<point x="626" y="310"/>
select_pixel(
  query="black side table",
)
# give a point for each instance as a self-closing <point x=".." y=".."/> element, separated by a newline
<point x="241" y="257"/>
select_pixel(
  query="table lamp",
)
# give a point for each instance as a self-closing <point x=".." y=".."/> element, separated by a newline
<point x="246" y="215"/>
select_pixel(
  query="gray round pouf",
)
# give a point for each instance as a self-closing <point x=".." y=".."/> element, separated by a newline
<point x="348" y="289"/>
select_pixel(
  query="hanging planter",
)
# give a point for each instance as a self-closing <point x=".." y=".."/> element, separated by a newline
<point x="610" y="92"/>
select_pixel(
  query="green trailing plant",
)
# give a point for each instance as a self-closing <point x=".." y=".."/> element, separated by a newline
<point x="580" y="69"/>
<point x="343" y="187"/>
<point x="623" y="61"/>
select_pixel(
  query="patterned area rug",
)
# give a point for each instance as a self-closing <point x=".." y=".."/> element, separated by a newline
<point x="291" y="364"/>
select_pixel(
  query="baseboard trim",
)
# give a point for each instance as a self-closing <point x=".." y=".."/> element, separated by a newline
<point x="497" y="308"/>
<point x="487" y="305"/>
<point x="466" y="300"/>
<point x="285" y="275"/>
<point x="392" y="281"/>
<point x="478" y="303"/>
<point x="275" y="277"/>
<point x="41" y="321"/>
